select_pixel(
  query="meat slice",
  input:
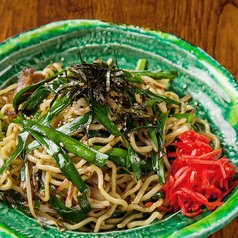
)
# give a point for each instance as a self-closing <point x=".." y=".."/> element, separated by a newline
<point x="93" y="183"/>
<point x="28" y="77"/>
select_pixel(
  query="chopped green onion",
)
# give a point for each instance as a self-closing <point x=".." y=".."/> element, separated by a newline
<point x="22" y="137"/>
<point x="84" y="203"/>
<point x="153" y="102"/>
<point x="23" y="94"/>
<point x="18" y="202"/>
<point x="62" y="159"/>
<point x="189" y="117"/>
<point x="68" y="214"/>
<point x="157" y="74"/>
<point x="141" y="64"/>
<point x="151" y="95"/>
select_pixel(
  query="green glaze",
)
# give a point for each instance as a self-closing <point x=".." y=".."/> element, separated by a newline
<point x="211" y="86"/>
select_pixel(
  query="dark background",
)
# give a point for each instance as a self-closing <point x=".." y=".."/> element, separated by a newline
<point x="209" y="24"/>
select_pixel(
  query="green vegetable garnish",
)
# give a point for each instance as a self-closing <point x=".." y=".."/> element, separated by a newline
<point x="189" y="117"/>
<point x="108" y="91"/>
<point x="68" y="214"/>
<point x="100" y="85"/>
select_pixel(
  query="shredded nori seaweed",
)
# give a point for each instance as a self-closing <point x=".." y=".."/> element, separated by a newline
<point x="103" y="83"/>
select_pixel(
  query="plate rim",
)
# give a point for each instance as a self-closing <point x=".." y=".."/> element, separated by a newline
<point x="167" y="37"/>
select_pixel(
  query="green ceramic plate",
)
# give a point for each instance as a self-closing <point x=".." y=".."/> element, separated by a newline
<point x="211" y="86"/>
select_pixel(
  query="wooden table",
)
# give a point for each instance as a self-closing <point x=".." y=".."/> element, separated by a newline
<point x="210" y="24"/>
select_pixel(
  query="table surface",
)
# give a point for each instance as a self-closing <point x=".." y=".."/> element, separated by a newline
<point x="210" y="25"/>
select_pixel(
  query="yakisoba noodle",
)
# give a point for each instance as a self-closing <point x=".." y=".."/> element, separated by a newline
<point x="110" y="190"/>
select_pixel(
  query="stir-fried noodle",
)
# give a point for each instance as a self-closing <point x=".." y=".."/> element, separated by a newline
<point x="116" y="197"/>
